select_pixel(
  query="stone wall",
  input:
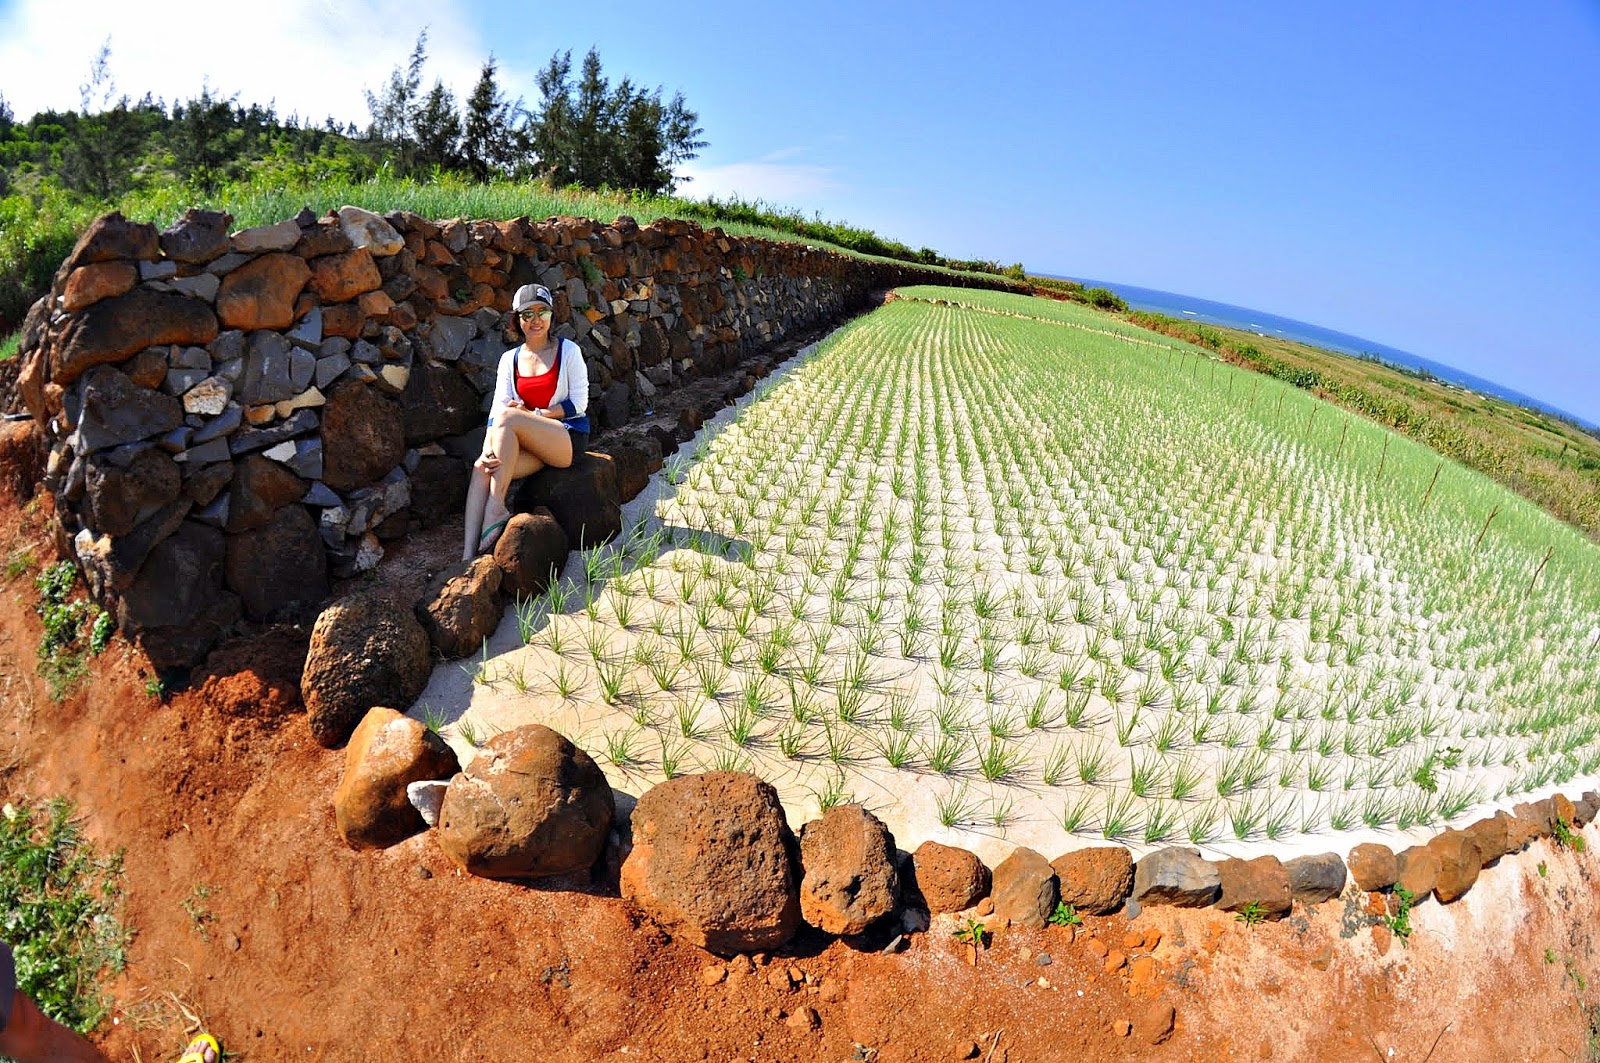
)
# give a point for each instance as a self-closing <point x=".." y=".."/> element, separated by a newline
<point x="234" y="418"/>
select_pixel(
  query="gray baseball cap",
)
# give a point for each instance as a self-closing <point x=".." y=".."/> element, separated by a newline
<point x="531" y="294"/>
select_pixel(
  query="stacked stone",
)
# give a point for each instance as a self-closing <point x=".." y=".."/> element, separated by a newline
<point x="236" y="417"/>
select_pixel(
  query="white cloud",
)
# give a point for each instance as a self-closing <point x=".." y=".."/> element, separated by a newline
<point x="771" y="177"/>
<point x="312" y="57"/>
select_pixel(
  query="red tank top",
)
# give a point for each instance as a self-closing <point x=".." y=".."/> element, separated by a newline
<point x="537" y="390"/>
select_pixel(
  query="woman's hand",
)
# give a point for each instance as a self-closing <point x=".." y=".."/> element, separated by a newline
<point x="488" y="461"/>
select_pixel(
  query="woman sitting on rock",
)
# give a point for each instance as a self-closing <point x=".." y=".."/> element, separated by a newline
<point x="537" y="417"/>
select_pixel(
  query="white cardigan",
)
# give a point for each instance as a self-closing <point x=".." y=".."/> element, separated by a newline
<point x="572" y="386"/>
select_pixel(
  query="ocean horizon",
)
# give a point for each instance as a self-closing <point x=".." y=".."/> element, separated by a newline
<point x="1210" y="312"/>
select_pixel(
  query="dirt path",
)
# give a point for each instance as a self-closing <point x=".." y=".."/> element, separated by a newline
<point x="251" y="916"/>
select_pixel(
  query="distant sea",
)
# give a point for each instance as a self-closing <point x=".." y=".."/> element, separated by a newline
<point x="1265" y="324"/>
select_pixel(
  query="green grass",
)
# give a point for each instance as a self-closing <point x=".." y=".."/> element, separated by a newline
<point x="9" y="345"/>
<point x="60" y="906"/>
<point x="74" y="629"/>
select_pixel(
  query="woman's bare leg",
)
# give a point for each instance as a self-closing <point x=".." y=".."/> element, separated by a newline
<point x="525" y="443"/>
<point x="477" y="498"/>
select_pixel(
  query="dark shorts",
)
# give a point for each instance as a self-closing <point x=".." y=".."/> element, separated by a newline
<point x="8" y="984"/>
<point x="580" y="442"/>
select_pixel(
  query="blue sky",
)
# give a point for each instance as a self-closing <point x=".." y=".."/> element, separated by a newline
<point x="1423" y="174"/>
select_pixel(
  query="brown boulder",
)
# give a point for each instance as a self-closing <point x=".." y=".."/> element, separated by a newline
<point x="22" y="458"/>
<point x="1262" y="882"/>
<point x="323" y="238"/>
<point x="849" y="879"/>
<point x="386" y="752"/>
<point x="279" y="570"/>
<point x="1373" y="866"/>
<point x="1024" y="889"/>
<point x="340" y="278"/>
<point x="112" y="329"/>
<point x="1522" y="832"/>
<point x="1562" y="810"/>
<point x="364" y="652"/>
<point x="529" y="804"/>
<point x="261" y="487"/>
<point x="345" y="319"/>
<point x="362" y="437"/>
<point x="1540" y="816"/>
<point x="635" y="455"/>
<point x="947" y="878"/>
<point x="530" y="552"/>
<point x="460" y="606"/>
<point x="1459" y="862"/>
<point x="197" y="237"/>
<point x="1417" y="871"/>
<point x="111" y="236"/>
<point x="713" y="862"/>
<point x="584" y="499"/>
<point x="1493" y="836"/>
<point x="261" y="293"/>
<point x="87" y="285"/>
<point x="1095" y="880"/>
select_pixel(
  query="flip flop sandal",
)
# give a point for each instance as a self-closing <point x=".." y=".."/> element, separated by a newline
<point x="196" y="1051"/>
<point x="491" y="535"/>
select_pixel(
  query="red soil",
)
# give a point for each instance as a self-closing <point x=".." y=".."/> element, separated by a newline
<point x="252" y="917"/>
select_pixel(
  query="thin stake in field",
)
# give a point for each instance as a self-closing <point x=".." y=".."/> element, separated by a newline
<point x="1429" y="492"/>
<point x="1384" y="458"/>
<point x="1492" y="514"/>
<point x="1545" y="561"/>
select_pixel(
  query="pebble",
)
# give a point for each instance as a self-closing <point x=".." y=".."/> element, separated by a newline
<point x="805" y="1019"/>
<point x="986" y="906"/>
<point x="1043" y="959"/>
<point x="1122" y="1027"/>
<point x="423" y="872"/>
<point x="713" y="974"/>
<point x="967" y="1050"/>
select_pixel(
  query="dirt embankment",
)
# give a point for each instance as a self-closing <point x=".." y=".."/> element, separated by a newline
<point x="251" y="916"/>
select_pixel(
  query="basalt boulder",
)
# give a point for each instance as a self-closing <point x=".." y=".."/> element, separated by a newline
<point x="948" y="879"/>
<point x="530" y="804"/>
<point x="364" y="652"/>
<point x="849" y="879"/>
<point x="387" y="752"/>
<point x="1096" y="880"/>
<point x="713" y="863"/>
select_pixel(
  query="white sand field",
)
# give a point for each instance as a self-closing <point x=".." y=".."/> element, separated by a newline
<point x="897" y="599"/>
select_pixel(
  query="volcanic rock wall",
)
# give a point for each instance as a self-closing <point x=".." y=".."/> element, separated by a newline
<point x="236" y="417"/>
